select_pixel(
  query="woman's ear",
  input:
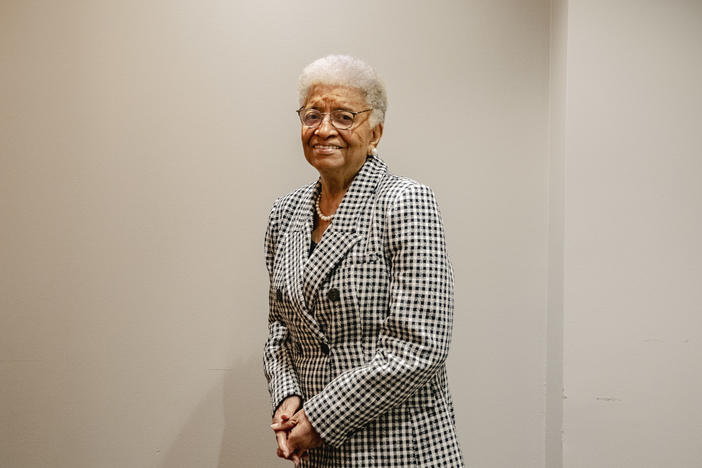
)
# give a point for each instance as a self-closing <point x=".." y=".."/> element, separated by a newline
<point x="376" y="134"/>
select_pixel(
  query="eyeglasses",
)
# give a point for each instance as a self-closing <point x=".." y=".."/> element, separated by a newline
<point x="340" y="119"/>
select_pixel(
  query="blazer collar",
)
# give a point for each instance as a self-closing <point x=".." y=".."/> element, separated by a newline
<point x="363" y="185"/>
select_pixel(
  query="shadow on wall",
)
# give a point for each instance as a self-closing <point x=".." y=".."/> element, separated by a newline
<point x="240" y="407"/>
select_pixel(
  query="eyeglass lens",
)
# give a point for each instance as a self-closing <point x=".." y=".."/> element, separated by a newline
<point x="339" y="119"/>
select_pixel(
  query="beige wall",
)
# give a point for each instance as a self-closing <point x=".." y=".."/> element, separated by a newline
<point x="142" y="145"/>
<point x="633" y="224"/>
<point x="558" y="48"/>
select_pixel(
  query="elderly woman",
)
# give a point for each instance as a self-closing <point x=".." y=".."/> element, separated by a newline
<point x="361" y="293"/>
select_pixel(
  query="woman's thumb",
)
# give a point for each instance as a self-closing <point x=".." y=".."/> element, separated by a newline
<point x="283" y="426"/>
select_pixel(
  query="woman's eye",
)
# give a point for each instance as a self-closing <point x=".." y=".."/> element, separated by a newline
<point x="344" y="117"/>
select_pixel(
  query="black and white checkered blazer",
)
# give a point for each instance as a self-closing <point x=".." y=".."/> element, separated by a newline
<point x="360" y="329"/>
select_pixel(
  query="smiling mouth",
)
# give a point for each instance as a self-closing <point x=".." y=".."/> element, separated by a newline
<point x="326" y="147"/>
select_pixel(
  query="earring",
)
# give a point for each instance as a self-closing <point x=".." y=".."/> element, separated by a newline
<point x="374" y="151"/>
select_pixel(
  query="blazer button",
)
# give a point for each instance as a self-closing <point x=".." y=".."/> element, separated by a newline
<point x="324" y="348"/>
<point x="279" y="295"/>
<point x="333" y="294"/>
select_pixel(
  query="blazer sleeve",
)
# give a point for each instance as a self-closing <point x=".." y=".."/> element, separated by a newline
<point x="277" y="364"/>
<point x="415" y="336"/>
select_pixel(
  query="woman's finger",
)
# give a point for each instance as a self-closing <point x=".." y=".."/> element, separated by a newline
<point x="283" y="448"/>
<point x="281" y="418"/>
<point x="283" y="426"/>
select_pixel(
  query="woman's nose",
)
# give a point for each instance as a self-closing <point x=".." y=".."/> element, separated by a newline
<point x="325" y="127"/>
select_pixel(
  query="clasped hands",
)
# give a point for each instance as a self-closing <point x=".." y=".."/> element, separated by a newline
<point x="293" y="431"/>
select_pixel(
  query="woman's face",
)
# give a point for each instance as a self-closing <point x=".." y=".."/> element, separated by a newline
<point x="333" y="152"/>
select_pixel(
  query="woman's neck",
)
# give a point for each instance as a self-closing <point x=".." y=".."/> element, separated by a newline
<point x="335" y="185"/>
<point x="331" y="196"/>
<point x="335" y="182"/>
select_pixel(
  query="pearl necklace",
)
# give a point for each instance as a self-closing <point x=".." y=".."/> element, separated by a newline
<point x="319" y="212"/>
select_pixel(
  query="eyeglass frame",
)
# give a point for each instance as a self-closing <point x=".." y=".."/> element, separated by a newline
<point x="330" y="120"/>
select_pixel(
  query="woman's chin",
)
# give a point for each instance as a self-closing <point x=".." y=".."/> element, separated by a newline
<point x="326" y="161"/>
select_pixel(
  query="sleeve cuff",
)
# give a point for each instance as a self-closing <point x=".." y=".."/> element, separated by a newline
<point x="331" y="434"/>
<point x="282" y="399"/>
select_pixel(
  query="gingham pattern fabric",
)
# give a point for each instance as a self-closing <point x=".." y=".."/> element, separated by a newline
<point x="361" y="328"/>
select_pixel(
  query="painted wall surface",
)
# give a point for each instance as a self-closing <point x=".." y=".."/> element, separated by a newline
<point x="558" y="73"/>
<point x="633" y="224"/>
<point x="142" y="144"/>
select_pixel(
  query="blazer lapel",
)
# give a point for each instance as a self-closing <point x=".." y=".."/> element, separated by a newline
<point x="298" y="246"/>
<point x="343" y="232"/>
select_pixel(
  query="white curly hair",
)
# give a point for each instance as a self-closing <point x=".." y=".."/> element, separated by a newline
<point x="345" y="70"/>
